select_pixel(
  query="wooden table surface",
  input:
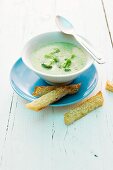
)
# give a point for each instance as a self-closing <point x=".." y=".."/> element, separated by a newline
<point x="40" y="140"/>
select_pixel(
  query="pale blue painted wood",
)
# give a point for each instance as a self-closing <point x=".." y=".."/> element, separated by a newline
<point x="30" y="140"/>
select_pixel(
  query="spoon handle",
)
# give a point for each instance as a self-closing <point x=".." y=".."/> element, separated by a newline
<point x="89" y="49"/>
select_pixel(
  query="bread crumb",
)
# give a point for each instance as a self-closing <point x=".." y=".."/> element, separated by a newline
<point x="109" y="86"/>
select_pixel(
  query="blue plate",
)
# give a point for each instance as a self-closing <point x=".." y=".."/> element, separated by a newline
<point x="23" y="80"/>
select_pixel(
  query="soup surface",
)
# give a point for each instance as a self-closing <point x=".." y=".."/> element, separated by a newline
<point x="59" y="58"/>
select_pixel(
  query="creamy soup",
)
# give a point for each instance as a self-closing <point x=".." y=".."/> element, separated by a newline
<point x="59" y="58"/>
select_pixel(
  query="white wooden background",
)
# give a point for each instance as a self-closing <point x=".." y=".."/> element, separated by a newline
<point x="40" y="141"/>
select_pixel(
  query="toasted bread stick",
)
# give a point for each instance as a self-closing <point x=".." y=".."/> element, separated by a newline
<point x="109" y="86"/>
<point x="83" y="108"/>
<point x="41" y="90"/>
<point x="52" y="97"/>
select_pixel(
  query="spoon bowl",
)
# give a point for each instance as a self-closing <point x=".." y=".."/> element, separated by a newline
<point x="64" y="25"/>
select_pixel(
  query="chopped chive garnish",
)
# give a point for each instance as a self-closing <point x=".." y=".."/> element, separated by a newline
<point x="55" y="50"/>
<point x="56" y="59"/>
<point x="53" y="58"/>
<point x="67" y="69"/>
<point x="47" y="55"/>
<point x="73" y="56"/>
<point x="46" y="66"/>
<point x="67" y="63"/>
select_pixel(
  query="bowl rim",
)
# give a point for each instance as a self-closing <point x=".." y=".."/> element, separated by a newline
<point x="46" y="74"/>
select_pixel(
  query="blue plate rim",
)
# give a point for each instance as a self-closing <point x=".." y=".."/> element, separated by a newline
<point x="26" y="97"/>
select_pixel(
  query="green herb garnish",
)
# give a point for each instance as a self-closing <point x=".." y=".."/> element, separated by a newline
<point x="53" y="58"/>
<point x="55" y="50"/>
<point x="48" y="66"/>
<point x="67" y="69"/>
<point x="73" y="56"/>
<point x="47" y="55"/>
<point x="68" y="61"/>
<point x="66" y="64"/>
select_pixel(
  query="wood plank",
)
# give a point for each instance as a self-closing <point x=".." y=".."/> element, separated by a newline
<point x="107" y="7"/>
<point x="10" y="43"/>
<point x="41" y="140"/>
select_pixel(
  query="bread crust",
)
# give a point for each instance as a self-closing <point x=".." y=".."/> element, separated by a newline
<point x="109" y="86"/>
<point x="83" y="108"/>
<point x="52" y="97"/>
<point x="42" y="90"/>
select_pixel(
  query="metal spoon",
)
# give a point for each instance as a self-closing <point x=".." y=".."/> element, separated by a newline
<point x="66" y="27"/>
